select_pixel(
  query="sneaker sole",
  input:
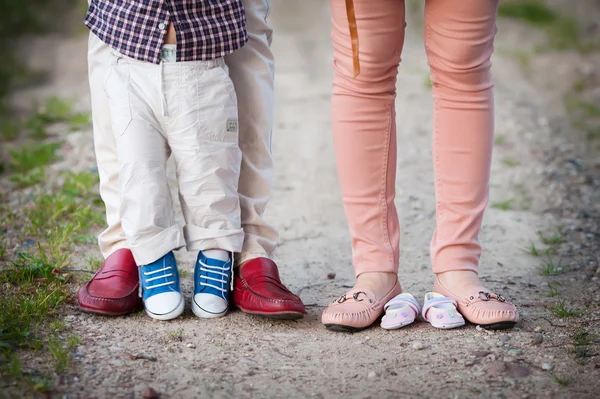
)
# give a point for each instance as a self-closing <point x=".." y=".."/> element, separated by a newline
<point x="205" y="314"/>
<point x="178" y="311"/>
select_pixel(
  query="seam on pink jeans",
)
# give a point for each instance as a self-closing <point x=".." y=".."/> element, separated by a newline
<point x="384" y="185"/>
<point x="436" y="112"/>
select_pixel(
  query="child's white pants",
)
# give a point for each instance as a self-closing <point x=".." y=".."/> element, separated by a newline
<point x="188" y="110"/>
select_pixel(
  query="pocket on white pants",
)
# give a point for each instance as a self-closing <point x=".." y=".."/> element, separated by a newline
<point x="116" y="86"/>
<point x="217" y="104"/>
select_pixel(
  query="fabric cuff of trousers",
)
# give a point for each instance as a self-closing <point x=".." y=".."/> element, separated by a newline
<point x="353" y="35"/>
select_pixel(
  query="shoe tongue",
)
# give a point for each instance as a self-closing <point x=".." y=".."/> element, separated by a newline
<point x="212" y="261"/>
<point x="259" y="266"/>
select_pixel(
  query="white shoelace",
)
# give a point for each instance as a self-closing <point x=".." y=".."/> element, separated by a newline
<point x="165" y="275"/>
<point x="215" y="270"/>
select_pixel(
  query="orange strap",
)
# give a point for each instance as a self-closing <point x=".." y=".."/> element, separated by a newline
<point x="353" y="35"/>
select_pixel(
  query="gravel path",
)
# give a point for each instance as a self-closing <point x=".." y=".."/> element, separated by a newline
<point x="241" y="356"/>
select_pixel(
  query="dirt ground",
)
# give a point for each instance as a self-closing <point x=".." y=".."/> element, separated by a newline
<point x="240" y="356"/>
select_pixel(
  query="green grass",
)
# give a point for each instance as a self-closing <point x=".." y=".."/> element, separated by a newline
<point x="54" y="110"/>
<point x="584" y="115"/>
<point x="511" y="163"/>
<point x="523" y="58"/>
<point x="550" y="268"/>
<point x="553" y="289"/>
<point x="531" y="11"/>
<point x="581" y="342"/>
<point x="35" y="283"/>
<point x="582" y="337"/>
<point x="503" y="205"/>
<point x="176" y="335"/>
<point x="531" y="249"/>
<point x="60" y="348"/>
<point x="33" y="156"/>
<point x="561" y="310"/>
<point x="498" y="140"/>
<point x="427" y="82"/>
<point x="28" y="163"/>
<point x="562" y="31"/>
<point x="10" y="130"/>
<point x="94" y="263"/>
<point x="184" y="273"/>
<point x="563" y="382"/>
<point x="29" y="178"/>
<point x="552" y="240"/>
<point x="3" y="251"/>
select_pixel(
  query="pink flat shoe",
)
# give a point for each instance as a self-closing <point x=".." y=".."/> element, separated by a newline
<point x="356" y="310"/>
<point x="483" y="308"/>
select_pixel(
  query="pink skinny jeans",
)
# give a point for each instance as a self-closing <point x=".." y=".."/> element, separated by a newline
<point x="459" y="37"/>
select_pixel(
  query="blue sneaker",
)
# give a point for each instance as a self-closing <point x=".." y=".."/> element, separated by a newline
<point x="159" y="283"/>
<point x="212" y="282"/>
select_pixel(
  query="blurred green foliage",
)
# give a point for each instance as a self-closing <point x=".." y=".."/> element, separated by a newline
<point x="17" y="18"/>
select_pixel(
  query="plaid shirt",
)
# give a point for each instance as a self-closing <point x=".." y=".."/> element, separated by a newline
<point x="206" y="29"/>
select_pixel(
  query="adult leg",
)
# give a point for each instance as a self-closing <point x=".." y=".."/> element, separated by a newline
<point x="364" y="132"/>
<point x="114" y="289"/>
<point x="459" y="39"/>
<point x="252" y="71"/>
<point x="258" y="288"/>
<point x="112" y="238"/>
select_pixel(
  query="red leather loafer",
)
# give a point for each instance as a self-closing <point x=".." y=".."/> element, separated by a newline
<point x="259" y="291"/>
<point x="113" y="291"/>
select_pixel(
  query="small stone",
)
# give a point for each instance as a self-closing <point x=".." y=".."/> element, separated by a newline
<point x="481" y="329"/>
<point x="511" y="382"/>
<point x="247" y="388"/>
<point x="27" y="244"/>
<point x="191" y="346"/>
<point x="505" y="338"/>
<point x="75" y="379"/>
<point x="479" y="354"/>
<point x="372" y="375"/>
<point x="418" y="345"/>
<point x="538" y="329"/>
<point x="331" y="276"/>
<point x="537" y="339"/>
<point x="511" y="370"/>
<point x="469" y="363"/>
<point x="547" y="366"/>
<point x="115" y="348"/>
<point x="515" y="351"/>
<point x="150" y="393"/>
<point x="509" y="359"/>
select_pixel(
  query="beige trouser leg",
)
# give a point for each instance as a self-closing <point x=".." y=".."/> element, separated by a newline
<point x="251" y="69"/>
<point x="189" y="109"/>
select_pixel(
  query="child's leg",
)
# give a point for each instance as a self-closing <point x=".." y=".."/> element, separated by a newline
<point x="201" y="123"/>
<point x="146" y="208"/>
<point x="202" y="126"/>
